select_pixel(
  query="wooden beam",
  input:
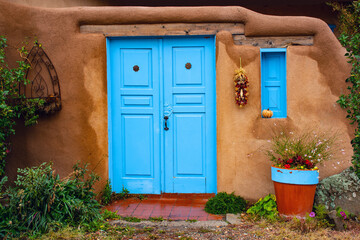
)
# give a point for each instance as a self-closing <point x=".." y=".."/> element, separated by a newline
<point x="273" y="42"/>
<point x="167" y="29"/>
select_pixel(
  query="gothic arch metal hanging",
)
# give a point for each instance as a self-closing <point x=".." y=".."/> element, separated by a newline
<point x="44" y="81"/>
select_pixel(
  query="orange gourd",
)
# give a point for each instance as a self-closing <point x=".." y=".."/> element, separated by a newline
<point x="267" y="113"/>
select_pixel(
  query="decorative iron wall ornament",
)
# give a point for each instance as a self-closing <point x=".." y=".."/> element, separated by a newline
<point x="44" y="81"/>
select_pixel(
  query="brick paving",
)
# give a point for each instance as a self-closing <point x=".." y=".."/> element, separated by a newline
<point x="168" y="206"/>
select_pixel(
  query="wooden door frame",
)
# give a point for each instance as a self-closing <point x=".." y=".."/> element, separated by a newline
<point x="161" y="89"/>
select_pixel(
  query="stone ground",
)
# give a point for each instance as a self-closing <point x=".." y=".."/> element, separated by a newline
<point x="170" y="206"/>
<point x="183" y="217"/>
<point x="218" y="230"/>
<point x="186" y="230"/>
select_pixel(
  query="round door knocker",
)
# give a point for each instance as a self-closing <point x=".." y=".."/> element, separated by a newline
<point x="136" y="68"/>
<point x="188" y="65"/>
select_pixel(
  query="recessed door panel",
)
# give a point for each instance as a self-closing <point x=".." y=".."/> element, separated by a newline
<point x="187" y="65"/>
<point x="137" y="146"/>
<point x="189" y="140"/>
<point x="136" y="67"/>
<point x="189" y="99"/>
<point x="137" y="101"/>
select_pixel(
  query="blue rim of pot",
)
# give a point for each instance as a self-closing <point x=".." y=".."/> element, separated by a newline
<point x="293" y="176"/>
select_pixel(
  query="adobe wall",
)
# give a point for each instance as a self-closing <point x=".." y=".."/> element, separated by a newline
<point x="315" y="79"/>
<point x="58" y="3"/>
<point x="310" y="8"/>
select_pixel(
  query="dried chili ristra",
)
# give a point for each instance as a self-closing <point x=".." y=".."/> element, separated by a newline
<point x="241" y="87"/>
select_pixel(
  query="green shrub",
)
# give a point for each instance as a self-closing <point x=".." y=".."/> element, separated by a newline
<point x="2" y="182"/>
<point x="322" y="216"/>
<point x="110" y="215"/>
<point x="106" y="194"/>
<point x="41" y="199"/>
<point x="265" y="208"/>
<point x="321" y="212"/>
<point x="343" y="214"/>
<point x="124" y="194"/>
<point x="224" y="203"/>
<point x="319" y="219"/>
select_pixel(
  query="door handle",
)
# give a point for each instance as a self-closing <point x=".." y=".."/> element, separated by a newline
<point x="166" y="127"/>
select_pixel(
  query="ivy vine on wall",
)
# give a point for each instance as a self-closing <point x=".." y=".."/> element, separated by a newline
<point x="12" y="104"/>
<point x="349" y="19"/>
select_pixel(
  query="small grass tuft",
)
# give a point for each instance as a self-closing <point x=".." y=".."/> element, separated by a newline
<point x="191" y="220"/>
<point x="204" y="230"/>
<point x="131" y="219"/>
<point x="109" y="215"/>
<point x="148" y="229"/>
<point x="156" y="219"/>
<point x="153" y="236"/>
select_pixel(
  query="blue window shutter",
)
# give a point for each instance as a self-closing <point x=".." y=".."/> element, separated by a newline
<point x="273" y="81"/>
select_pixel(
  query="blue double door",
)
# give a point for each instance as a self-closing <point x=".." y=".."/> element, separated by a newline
<point x="162" y="114"/>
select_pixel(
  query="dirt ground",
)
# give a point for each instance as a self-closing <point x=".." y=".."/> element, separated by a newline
<point x="121" y="229"/>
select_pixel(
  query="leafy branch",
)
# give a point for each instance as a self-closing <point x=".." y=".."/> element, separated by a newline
<point x="349" y="19"/>
<point x="13" y="105"/>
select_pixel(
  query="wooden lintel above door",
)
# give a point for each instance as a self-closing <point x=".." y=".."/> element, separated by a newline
<point x="181" y="29"/>
<point x="168" y="29"/>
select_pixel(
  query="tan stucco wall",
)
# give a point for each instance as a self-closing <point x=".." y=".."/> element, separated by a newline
<point x="315" y="78"/>
<point x="58" y="3"/>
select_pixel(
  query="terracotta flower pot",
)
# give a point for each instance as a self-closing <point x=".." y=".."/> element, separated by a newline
<point x="294" y="190"/>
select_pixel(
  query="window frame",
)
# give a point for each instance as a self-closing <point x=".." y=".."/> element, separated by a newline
<point x="283" y="81"/>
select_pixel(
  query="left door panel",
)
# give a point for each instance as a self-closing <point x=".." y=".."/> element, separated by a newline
<point x="133" y="68"/>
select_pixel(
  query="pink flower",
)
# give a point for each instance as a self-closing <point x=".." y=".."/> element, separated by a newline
<point x="312" y="214"/>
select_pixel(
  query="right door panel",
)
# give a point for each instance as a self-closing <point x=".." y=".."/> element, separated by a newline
<point x="189" y="102"/>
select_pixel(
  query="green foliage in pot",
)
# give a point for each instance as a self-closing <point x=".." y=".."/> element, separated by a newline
<point x="350" y="38"/>
<point x="224" y="203"/>
<point x="12" y="104"/>
<point x="305" y="150"/>
<point x="40" y="200"/>
<point x="265" y="208"/>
